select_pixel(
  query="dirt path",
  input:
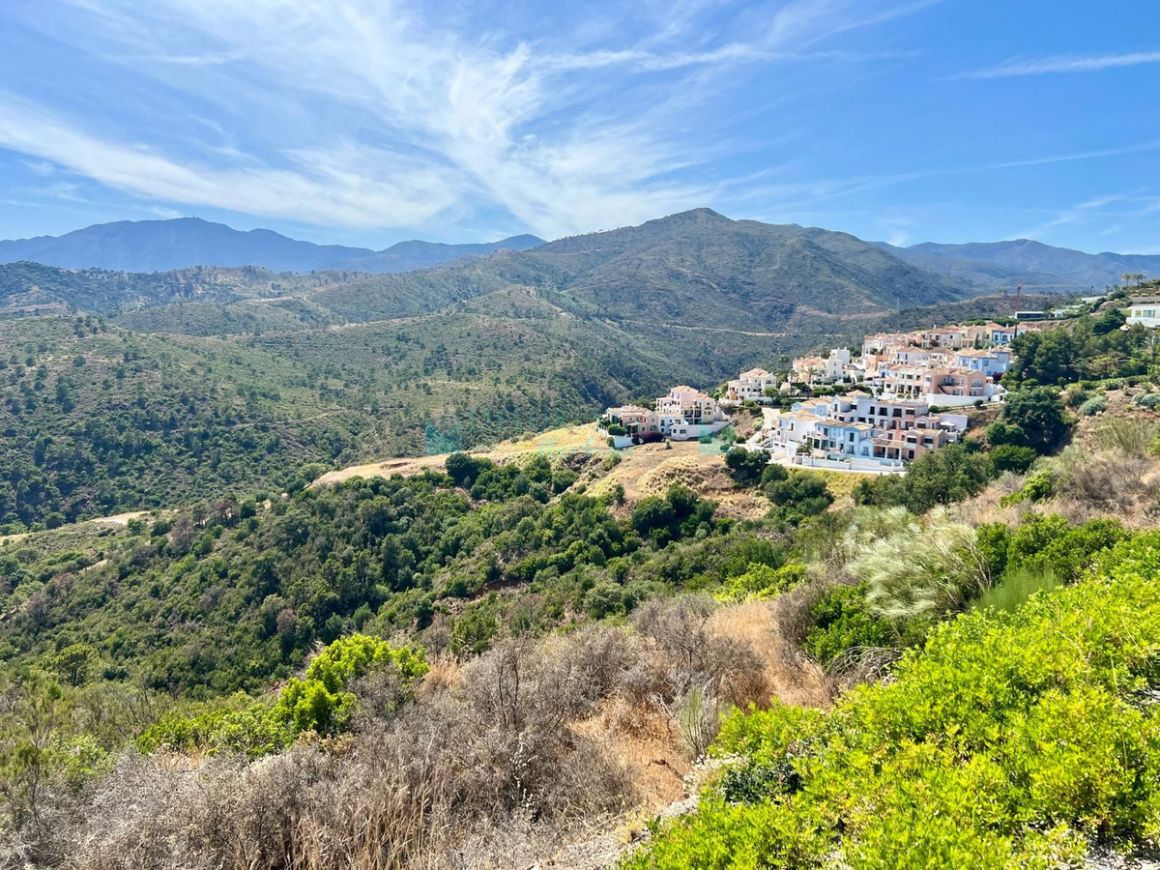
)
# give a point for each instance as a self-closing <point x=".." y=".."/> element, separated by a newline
<point x="648" y="469"/>
<point x="116" y="520"/>
<point x="566" y="440"/>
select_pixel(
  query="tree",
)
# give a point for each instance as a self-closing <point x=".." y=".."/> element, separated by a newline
<point x="1109" y="321"/>
<point x="947" y="475"/>
<point x="1012" y="457"/>
<point x="746" y="466"/>
<point x="462" y="468"/>
<point x="1039" y="413"/>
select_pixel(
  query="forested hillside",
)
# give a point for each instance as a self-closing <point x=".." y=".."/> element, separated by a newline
<point x="101" y="420"/>
<point x="280" y="670"/>
<point x="214" y="381"/>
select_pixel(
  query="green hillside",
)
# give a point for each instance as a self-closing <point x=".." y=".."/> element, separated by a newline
<point x="103" y="420"/>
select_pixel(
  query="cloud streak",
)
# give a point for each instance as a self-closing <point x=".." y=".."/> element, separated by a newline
<point x="389" y="116"/>
<point x="1074" y="63"/>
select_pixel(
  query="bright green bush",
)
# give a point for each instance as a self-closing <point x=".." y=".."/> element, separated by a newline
<point x="762" y="581"/>
<point x="321" y="702"/>
<point x="1014" y="588"/>
<point x="1010" y="740"/>
<point x="843" y="620"/>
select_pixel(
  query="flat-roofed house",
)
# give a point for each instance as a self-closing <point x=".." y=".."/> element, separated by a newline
<point x="1144" y="310"/>
<point x="990" y="361"/>
<point x="750" y="386"/>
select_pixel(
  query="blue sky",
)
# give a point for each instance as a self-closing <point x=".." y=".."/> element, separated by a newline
<point x="370" y="121"/>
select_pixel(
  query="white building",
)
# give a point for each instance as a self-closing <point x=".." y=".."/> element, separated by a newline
<point x="857" y="429"/>
<point x="683" y="414"/>
<point x="836" y="366"/>
<point x="992" y="362"/>
<point x="750" y="386"/>
<point x="1145" y="310"/>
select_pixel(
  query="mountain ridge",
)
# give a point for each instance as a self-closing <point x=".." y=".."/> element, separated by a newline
<point x="1038" y="265"/>
<point x="179" y="243"/>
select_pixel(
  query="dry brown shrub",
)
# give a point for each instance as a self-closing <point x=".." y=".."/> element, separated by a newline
<point x="785" y="671"/>
<point x="498" y="762"/>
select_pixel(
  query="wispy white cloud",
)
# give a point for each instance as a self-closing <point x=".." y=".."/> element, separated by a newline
<point x="1067" y="63"/>
<point x="1079" y="211"/>
<point x="348" y="186"/>
<point x="384" y="114"/>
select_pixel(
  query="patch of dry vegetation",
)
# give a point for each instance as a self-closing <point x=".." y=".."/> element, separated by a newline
<point x="501" y="761"/>
<point x="1111" y="469"/>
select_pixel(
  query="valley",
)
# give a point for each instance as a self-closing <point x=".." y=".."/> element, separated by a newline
<point x="291" y="547"/>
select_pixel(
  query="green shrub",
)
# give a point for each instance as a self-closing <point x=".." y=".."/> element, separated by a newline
<point x="1011" y="739"/>
<point x="320" y="701"/>
<point x="1010" y="457"/>
<point x="843" y="620"/>
<point x="746" y="466"/>
<point x="1093" y="406"/>
<point x="799" y="495"/>
<point x="1016" y="587"/>
<point x="945" y="476"/>
<point x="1037" y="487"/>
<point x="762" y="581"/>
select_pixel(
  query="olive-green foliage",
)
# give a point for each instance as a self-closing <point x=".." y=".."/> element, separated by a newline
<point x="1038" y="414"/>
<point x="1037" y="487"/>
<point x="321" y="701"/>
<point x="226" y="596"/>
<point x="1093" y="406"/>
<point x="844" y="620"/>
<point x="1010" y="740"/>
<point x="680" y="511"/>
<point x="746" y="466"/>
<point x="945" y="476"/>
<point x="796" y="495"/>
<point x="1011" y="457"/>
<point x="1081" y="350"/>
<point x="147" y="422"/>
<point x="1046" y="545"/>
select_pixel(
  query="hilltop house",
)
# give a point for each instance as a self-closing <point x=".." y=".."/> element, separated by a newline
<point x="1145" y="310"/>
<point x="829" y="369"/>
<point x="750" y="386"/>
<point x="857" y="430"/>
<point x="939" y="385"/>
<point x="683" y="414"/>
<point x="992" y="362"/>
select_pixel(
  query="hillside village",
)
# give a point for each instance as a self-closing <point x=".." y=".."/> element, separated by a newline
<point x="907" y="395"/>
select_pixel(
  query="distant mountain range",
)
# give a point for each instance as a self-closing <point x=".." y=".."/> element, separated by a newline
<point x="693" y="270"/>
<point x="162" y="245"/>
<point x="988" y="266"/>
<point x="696" y="269"/>
<point x="973" y="268"/>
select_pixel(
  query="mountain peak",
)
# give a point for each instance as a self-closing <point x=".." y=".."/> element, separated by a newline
<point x="699" y="215"/>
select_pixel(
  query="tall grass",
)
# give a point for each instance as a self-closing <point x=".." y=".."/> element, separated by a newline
<point x="1015" y="588"/>
<point x="1131" y="436"/>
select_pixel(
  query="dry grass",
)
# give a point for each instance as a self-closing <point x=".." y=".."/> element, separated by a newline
<point x="1108" y="471"/>
<point x="536" y="752"/>
<point x="555" y="442"/>
<point x="791" y="676"/>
